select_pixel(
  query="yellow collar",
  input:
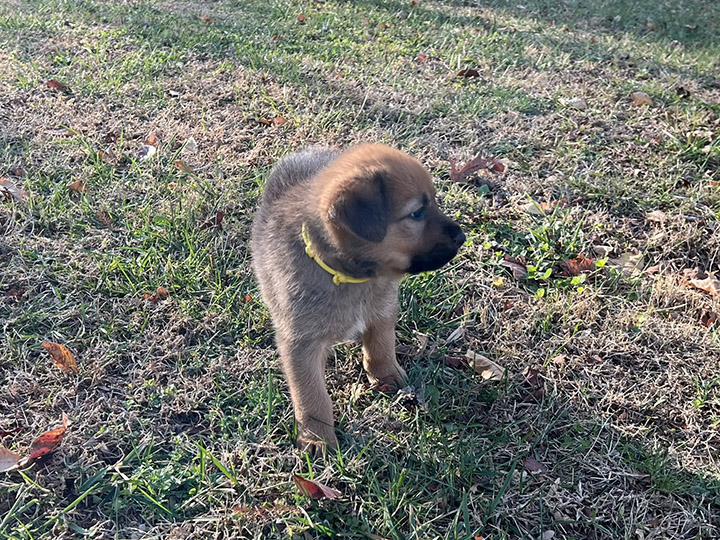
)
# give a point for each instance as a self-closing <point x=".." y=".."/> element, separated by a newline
<point x="338" y="277"/>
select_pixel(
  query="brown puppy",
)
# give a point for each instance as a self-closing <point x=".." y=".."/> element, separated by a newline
<point x="333" y="236"/>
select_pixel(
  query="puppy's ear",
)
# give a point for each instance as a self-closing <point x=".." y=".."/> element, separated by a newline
<point x="362" y="208"/>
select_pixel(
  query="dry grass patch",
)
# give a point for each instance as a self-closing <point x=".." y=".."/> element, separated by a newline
<point x="606" y="422"/>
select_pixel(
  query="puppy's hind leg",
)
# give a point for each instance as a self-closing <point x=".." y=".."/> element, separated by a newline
<point x="379" y="357"/>
<point x="303" y="363"/>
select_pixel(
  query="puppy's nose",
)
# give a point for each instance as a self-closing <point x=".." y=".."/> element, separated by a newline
<point x="456" y="234"/>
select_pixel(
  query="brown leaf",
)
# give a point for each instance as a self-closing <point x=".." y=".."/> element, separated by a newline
<point x="658" y="216"/>
<point x="207" y="20"/>
<point x="539" y="208"/>
<point x="468" y="73"/>
<point x="483" y="366"/>
<point x="577" y="266"/>
<point x="108" y="156"/>
<point x="104" y="219"/>
<point x="278" y="121"/>
<point x="705" y="281"/>
<point x="11" y="191"/>
<point x="63" y="359"/>
<point x="516" y="265"/>
<point x="8" y="460"/>
<point x="45" y="443"/>
<point x="160" y="294"/>
<point x="534" y="466"/>
<point x="455" y="362"/>
<point x="315" y="490"/>
<point x="151" y="139"/>
<point x="301" y="18"/>
<point x="421" y="58"/>
<point x="214" y="222"/>
<point x="57" y="85"/>
<point x="15" y="293"/>
<point x="78" y="186"/>
<point x="181" y="165"/>
<point x="640" y="99"/>
<point x="460" y="174"/>
<point x="708" y="318"/>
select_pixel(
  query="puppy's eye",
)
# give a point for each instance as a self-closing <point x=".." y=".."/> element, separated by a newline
<point x="418" y="214"/>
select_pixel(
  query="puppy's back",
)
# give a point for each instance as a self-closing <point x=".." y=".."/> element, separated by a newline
<point x="295" y="169"/>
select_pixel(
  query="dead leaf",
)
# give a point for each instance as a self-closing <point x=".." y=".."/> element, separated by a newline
<point x="45" y="443"/>
<point x="278" y="121"/>
<point x="629" y="263"/>
<point x="104" y="219"/>
<point x="78" y="186"/>
<point x="421" y="58"/>
<point x="160" y="294"/>
<point x="206" y="19"/>
<point x="57" y="85"/>
<point x="539" y="208"/>
<point x="484" y="367"/>
<point x="181" y="165"/>
<point x="190" y="146"/>
<point x="146" y="151"/>
<point x="516" y="265"/>
<point x="108" y="156"/>
<point x="15" y="293"/>
<point x="301" y="18"/>
<point x="8" y="460"/>
<point x="11" y="191"/>
<point x="468" y="73"/>
<point x="214" y="222"/>
<point x="708" y="318"/>
<point x="657" y="216"/>
<point x="63" y="359"/>
<point x="315" y="490"/>
<point x="455" y="362"/>
<point x="559" y="360"/>
<point x="640" y="99"/>
<point x="534" y="466"/>
<point x="151" y="139"/>
<point x="705" y="281"/>
<point x="577" y="103"/>
<point x="460" y="174"/>
<point x="575" y="267"/>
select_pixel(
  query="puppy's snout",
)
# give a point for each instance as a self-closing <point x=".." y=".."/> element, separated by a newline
<point x="456" y="234"/>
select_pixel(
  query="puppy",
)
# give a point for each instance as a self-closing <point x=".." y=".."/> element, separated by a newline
<point x="333" y="236"/>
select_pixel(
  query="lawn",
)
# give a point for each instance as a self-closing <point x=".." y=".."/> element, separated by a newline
<point x="135" y="138"/>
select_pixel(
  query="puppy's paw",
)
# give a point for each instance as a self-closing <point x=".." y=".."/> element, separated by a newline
<point x="315" y="437"/>
<point x="391" y="377"/>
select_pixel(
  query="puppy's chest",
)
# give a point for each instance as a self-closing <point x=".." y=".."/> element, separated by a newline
<point x="359" y="315"/>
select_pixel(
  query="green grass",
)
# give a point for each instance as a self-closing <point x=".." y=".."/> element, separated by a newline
<point x="181" y="426"/>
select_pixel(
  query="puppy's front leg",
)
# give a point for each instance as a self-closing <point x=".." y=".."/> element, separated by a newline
<point x="379" y="354"/>
<point x="304" y="366"/>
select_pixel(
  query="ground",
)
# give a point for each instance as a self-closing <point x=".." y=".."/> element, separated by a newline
<point x="606" y="421"/>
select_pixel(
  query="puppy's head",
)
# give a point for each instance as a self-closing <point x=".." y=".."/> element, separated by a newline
<point x="379" y="204"/>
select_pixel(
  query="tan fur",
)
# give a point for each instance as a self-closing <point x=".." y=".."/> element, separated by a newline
<point x="356" y="206"/>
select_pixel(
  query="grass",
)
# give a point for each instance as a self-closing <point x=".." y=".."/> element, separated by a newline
<point x="181" y="425"/>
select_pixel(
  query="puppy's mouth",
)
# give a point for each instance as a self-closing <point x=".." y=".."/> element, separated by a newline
<point x="434" y="259"/>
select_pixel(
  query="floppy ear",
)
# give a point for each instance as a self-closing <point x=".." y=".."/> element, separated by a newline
<point x="362" y="208"/>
